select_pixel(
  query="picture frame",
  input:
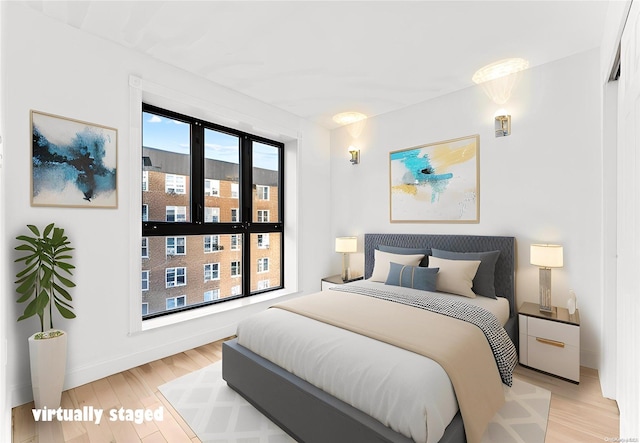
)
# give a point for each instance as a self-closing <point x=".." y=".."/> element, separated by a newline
<point x="73" y="162"/>
<point x="436" y="183"/>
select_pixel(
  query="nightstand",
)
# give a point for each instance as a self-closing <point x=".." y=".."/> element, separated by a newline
<point x="550" y="342"/>
<point x="335" y="280"/>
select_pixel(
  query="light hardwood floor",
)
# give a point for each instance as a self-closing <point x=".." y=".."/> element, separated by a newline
<point x="578" y="413"/>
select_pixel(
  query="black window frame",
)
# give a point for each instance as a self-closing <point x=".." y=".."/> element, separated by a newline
<point x="245" y="227"/>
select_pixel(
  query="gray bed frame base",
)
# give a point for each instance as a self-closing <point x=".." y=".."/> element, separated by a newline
<point x="309" y="414"/>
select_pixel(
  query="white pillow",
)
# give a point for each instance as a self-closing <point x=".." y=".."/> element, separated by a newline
<point x="382" y="262"/>
<point x="455" y="276"/>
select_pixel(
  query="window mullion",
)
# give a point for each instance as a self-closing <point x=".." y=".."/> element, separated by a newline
<point x="197" y="173"/>
<point x="246" y="211"/>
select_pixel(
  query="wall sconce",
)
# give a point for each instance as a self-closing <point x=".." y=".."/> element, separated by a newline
<point x="355" y="155"/>
<point x="546" y="257"/>
<point x="346" y="245"/>
<point x="503" y="125"/>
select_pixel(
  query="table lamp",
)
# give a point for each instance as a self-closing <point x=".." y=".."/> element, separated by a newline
<point x="346" y="245"/>
<point x="546" y="257"/>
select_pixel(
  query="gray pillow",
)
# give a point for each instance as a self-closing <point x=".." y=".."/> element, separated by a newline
<point x="415" y="277"/>
<point x="408" y="251"/>
<point x="484" y="281"/>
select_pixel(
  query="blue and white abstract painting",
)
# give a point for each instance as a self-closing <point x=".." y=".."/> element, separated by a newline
<point x="436" y="182"/>
<point x="73" y="163"/>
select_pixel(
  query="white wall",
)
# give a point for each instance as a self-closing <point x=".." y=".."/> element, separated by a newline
<point x="543" y="183"/>
<point x="55" y="68"/>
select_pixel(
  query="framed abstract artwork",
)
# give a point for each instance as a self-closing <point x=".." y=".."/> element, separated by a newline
<point x="437" y="183"/>
<point x="73" y="163"/>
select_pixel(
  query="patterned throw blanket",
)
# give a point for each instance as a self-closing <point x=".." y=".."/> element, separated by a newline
<point x="504" y="351"/>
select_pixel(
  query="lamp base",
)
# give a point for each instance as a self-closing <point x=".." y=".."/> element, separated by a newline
<point x="545" y="290"/>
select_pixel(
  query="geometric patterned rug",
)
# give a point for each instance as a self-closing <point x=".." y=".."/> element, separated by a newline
<point x="217" y="414"/>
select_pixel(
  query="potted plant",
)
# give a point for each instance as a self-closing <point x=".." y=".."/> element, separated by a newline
<point x="42" y="285"/>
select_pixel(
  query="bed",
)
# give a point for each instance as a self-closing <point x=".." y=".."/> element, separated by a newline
<point x="310" y="414"/>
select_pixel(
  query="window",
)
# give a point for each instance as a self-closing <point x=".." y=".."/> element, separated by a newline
<point x="211" y="243"/>
<point x="176" y="245"/>
<point x="211" y="215"/>
<point x="263" y="216"/>
<point x="211" y="271"/>
<point x="235" y="269"/>
<point x="211" y="188"/>
<point x="176" y="302"/>
<point x="145" y="280"/>
<point x="145" y="308"/>
<point x="176" y="213"/>
<point x="203" y="187"/>
<point x="262" y="192"/>
<point x="176" y="277"/>
<point x="214" y="294"/>
<point x="263" y="265"/>
<point x="145" y="247"/>
<point x="236" y="242"/>
<point x="263" y="284"/>
<point x="175" y="184"/>
<point x="263" y="241"/>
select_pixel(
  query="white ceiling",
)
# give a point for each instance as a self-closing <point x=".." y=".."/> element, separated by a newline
<point x="317" y="58"/>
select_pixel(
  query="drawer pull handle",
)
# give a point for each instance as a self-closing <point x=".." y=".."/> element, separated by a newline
<point x="546" y="341"/>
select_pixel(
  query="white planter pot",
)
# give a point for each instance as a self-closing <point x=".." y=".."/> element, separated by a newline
<point x="48" y="358"/>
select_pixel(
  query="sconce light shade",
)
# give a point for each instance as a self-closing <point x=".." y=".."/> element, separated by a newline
<point x="355" y="155"/>
<point x="546" y="257"/>
<point x="503" y="125"/>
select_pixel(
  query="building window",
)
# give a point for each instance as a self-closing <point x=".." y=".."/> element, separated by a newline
<point x="211" y="215"/>
<point x="211" y="243"/>
<point x="176" y="302"/>
<point x="145" y="247"/>
<point x="263" y="241"/>
<point x="263" y="216"/>
<point x="145" y="280"/>
<point x="208" y="204"/>
<point x="145" y="308"/>
<point x="176" y="245"/>
<point x="236" y="242"/>
<point x="263" y="264"/>
<point x="263" y="284"/>
<point x="175" y="184"/>
<point x="211" y="188"/>
<point x="176" y="277"/>
<point x="212" y="295"/>
<point x="211" y="271"/>
<point x="176" y="213"/>
<point x="262" y="192"/>
<point x="236" y="269"/>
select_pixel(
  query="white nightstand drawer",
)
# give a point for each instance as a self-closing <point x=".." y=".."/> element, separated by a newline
<point x="556" y="357"/>
<point x="556" y="331"/>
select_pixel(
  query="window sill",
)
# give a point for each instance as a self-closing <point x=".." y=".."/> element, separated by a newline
<point x="193" y="314"/>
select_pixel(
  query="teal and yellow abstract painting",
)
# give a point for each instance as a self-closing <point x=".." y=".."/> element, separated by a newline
<point x="438" y="182"/>
<point x="73" y="163"/>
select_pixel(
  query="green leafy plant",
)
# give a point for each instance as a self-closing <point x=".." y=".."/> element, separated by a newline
<point x="40" y="282"/>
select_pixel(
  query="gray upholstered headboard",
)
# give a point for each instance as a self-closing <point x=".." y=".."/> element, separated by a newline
<point x="505" y="266"/>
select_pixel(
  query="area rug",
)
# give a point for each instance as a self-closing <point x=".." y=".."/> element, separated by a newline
<point x="217" y="414"/>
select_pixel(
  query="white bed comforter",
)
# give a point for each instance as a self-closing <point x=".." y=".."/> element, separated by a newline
<point x="405" y="391"/>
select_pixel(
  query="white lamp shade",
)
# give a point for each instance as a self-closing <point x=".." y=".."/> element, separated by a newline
<point x="546" y="256"/>
<point x="346" y="244"/>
